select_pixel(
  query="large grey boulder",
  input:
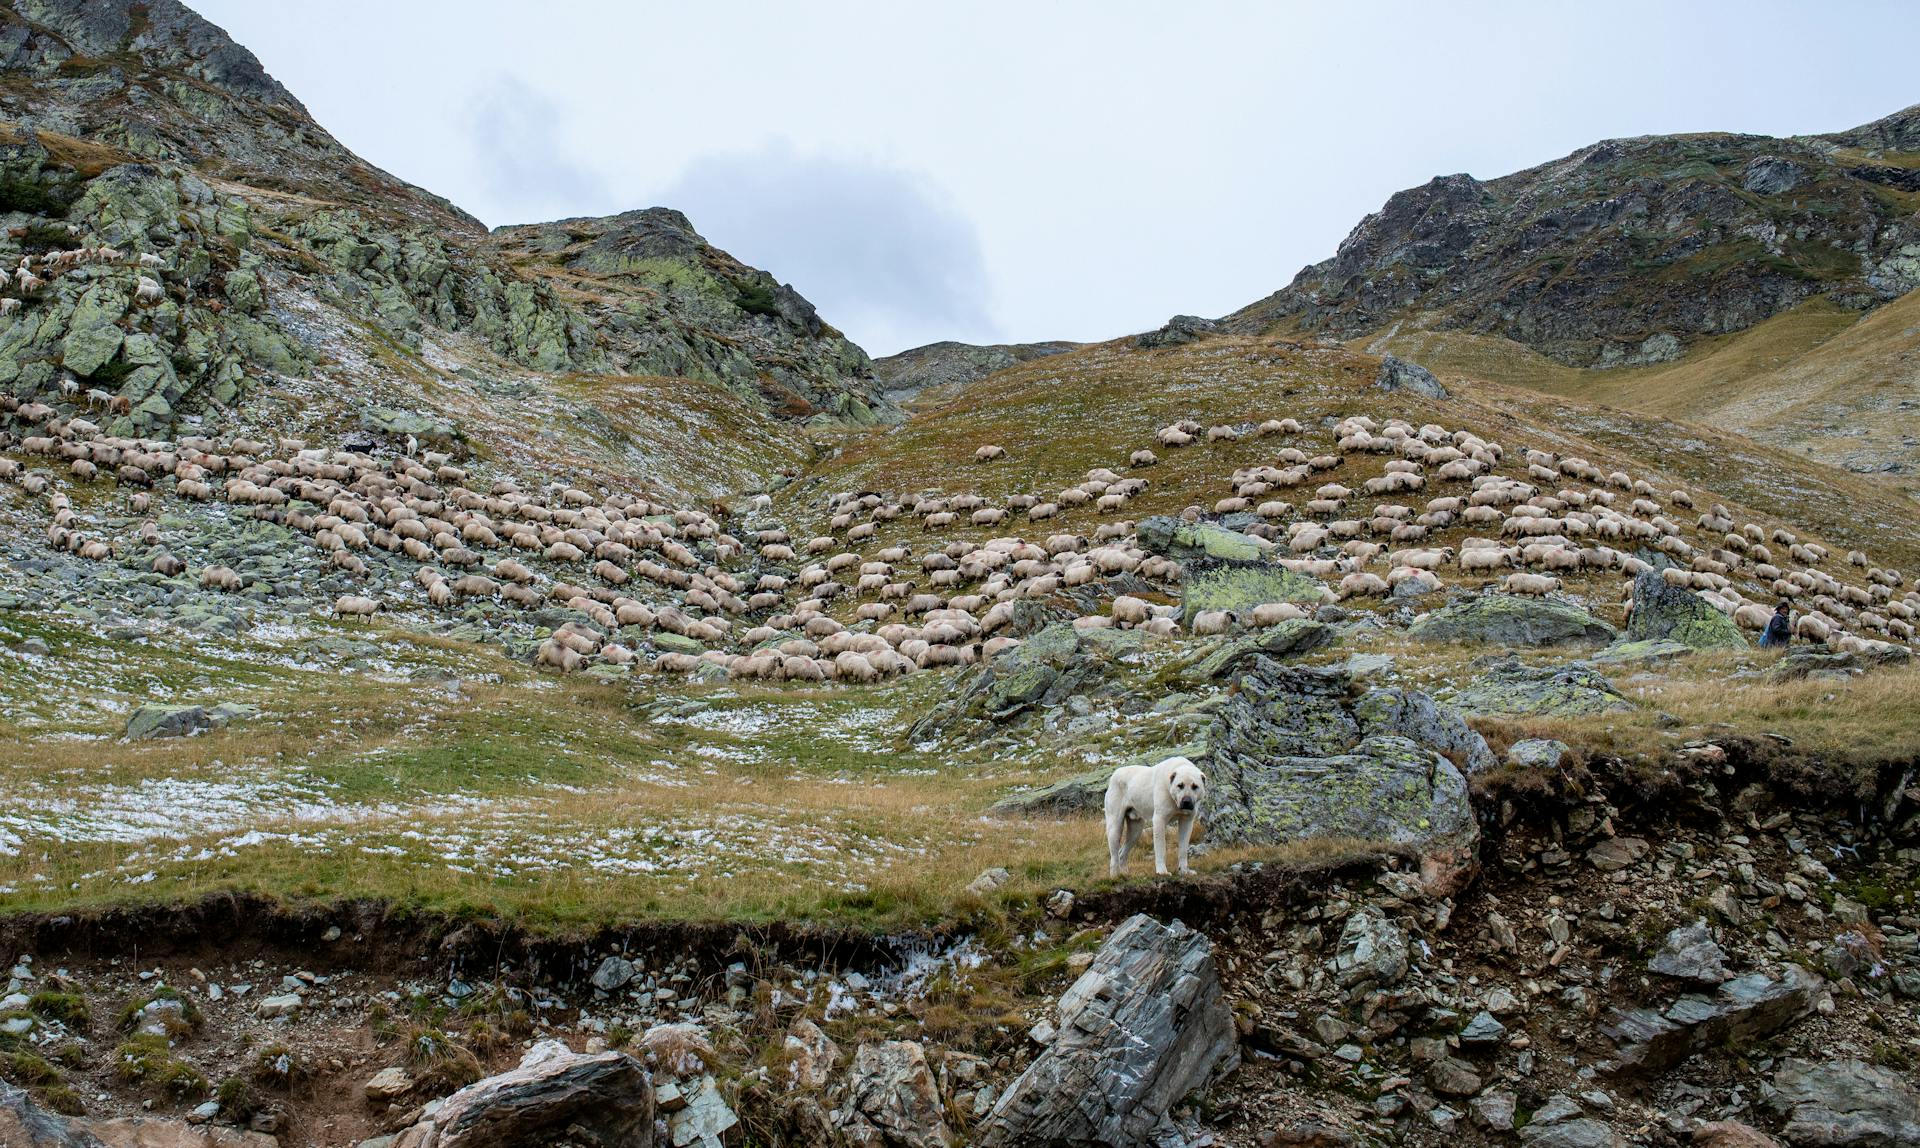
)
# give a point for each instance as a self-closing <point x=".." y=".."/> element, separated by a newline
<point x="1663" y="611"/>
<point x="1511" y="620"/>
<point x="1292" y="756"/>
<point x="163" y="720"/>
<point x="1288" y="639"/>
<point x="1846" y="1104"/>
<point x="1179" y="539"/>
<point x="1743" y="1009"/>
<point x="1416" y="716"/>
<point x="1398" y="374"/>
<point x="552" y="1095"/>
<point x="1238" y="586"/>
<point x="1143" y="1027"/>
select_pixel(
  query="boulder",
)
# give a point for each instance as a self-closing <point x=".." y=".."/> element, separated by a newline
<point x="702" y="1118"/>
<point x="1417" y="717"/>
<point x="1839" y="1103"/>
<point x="1044" y="670"/>
<point x="1511" y="620"/>
<point x="892" y="1099"/>
<point x="1690" y="954"/>
<point x="24" y="1124"/>
<point x="1291" y="757"/>
<point x="606" y="1096"/>
<point x="1538" y="753"/>
<point x="1663" y="611"/>
<point x="1372" y="950"/>
<point x="164" y="720"/>
<point x="1143" y="1027"/>
<point x="399" y="424"/>
<point x="1181" y="540"/>
<point x="1743" y="1009"/>
<point x="1574" y="689"/>
<point x="1578" y="1133"/>
<point x="1398" y="374"/>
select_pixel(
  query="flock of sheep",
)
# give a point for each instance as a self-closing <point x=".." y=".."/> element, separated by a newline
<point x="26" y="283"/>
<point x="763" y="604"/>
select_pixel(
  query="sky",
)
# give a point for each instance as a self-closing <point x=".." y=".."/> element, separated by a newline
<point x="1012" y="172"/>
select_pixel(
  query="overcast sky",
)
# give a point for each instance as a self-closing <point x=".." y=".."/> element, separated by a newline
<point x="1022" y="171"/>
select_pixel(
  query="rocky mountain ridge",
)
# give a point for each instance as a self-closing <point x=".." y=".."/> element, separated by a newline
<point x="142" y="130"/>
<point x="1628" y="251"/>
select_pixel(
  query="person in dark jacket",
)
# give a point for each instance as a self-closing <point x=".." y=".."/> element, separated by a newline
<point x="1779" y="631"/>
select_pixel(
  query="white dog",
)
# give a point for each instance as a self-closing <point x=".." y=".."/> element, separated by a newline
<point x="1170" y="791"/>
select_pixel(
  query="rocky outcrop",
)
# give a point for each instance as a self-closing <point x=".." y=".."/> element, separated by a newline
<point x="1560" y="257"/>
<point x="892" y="1100"/>
<point x="1846" y="1104"/>
<point x="1512" y="687"/>
<point x="947" y="366"/>
<point x="1178" y="331"/>
<point x="1292" y="756"/>
<point x="1667" y="612"/>
<point x="1048" y="667"/>
<point x="1511" y="620"/>
<point x="1743" y="1009"/>
<point x="1143" y="1027"/>
<point x="605" y="1097"/>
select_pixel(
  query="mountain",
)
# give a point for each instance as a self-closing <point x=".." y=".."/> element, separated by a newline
<point x="300" y="282"/>
<point x="944" y="366"/>
<point x="1629" y="251"/>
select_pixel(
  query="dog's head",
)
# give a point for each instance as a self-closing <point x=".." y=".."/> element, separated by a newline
<point x="1186" y="784"/>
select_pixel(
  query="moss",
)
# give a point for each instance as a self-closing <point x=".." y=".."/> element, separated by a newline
<point x="147" y="1059"/>
<point x="69" y="1009"/>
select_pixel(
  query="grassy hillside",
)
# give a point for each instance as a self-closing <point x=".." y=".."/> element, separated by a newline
<point x="1822" y="381"/>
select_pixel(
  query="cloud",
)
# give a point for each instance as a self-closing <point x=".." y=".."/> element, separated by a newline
<point x="880" y="250"/>
<point x="526" y="174"/>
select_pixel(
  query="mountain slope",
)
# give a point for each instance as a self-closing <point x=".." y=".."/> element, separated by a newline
<point x="298" y="282"/>
<point x="1628" y="251"/>
<point x="943" y="367"/>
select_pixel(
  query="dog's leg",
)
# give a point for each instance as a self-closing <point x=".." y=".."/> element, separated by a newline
<point x="1116" y="843"/>
<point x="1186" y="834"/>
<point x="1134" y="826"/>
<point x="1160" y="842"/>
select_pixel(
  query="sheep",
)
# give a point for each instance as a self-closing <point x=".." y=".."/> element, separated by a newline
<point x="148" y="290"/>
<point x="1537" y="585"/>
<point x="219" y="578"/>
<point x="1361" y="584"/>
<point x="1141" y="458"/>
<point x="353" y="605"/>
<point x="1209" y="622"/>
<point x="989" y="453"/>
<point x="1273" y="613"/>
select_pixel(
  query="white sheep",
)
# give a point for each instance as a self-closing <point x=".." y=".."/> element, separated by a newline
<point x="148" y="290"/>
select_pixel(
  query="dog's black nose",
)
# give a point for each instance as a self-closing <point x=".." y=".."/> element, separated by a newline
<point x="1187" y="804"/>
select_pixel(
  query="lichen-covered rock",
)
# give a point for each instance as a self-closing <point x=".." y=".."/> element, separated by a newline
<point x="1291" y="757"/>
<point x="1179" y="539"/>
<point x="1414" y="715"/>
<point x="1372" y="950"/>
<point x="1511" y="620"/>
<point x="1512" y="687"/>
<point x="1143" y="1027"/>
<point x="167" y="720"/>
<point x="1663" y="611"/>
<point x="1044" y="670"/>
